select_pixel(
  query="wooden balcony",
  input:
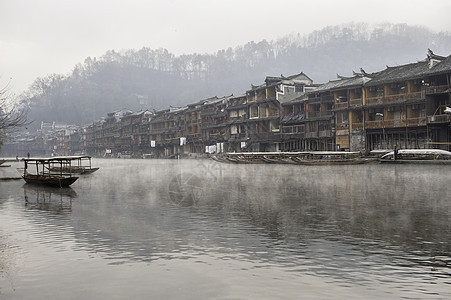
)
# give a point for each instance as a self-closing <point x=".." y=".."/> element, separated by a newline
<point x="357" y="126"/>
<point x="394" y="123"/>
<point x="416" y="95"/>
<point x="357" y="102"/>
<point x="374" y="124"/>
<point x="439" y="119"/>
<point x="374" y="100"/>
<point x="439" y="89"/>
<point x="395" y="98"/>
<point x="420" y="121"/>
<point x="293" y="129"/>
<point x="341" y="105"/>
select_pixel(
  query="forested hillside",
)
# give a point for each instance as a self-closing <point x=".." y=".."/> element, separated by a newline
<point x="154" y="78"/>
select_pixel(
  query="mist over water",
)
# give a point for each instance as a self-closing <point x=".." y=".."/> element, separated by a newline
<point x="199" y="229"/>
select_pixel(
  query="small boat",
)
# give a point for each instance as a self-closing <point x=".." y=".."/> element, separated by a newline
<point x="78" y="165"/>
<point x="43" y="175"/>
<point x="417" y="156"/>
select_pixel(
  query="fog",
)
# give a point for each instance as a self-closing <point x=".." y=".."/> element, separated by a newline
<point x="38" y="38"/>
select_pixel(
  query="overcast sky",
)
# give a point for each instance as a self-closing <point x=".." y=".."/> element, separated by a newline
<point x="41" y="37"/>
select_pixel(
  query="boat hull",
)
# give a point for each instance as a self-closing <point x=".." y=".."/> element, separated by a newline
<point x="416" y="161"/>
<point x="316" y="162"/>
<point x="53" y="181"/>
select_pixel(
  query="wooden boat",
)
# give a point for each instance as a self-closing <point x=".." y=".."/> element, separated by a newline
<point x="329" y="158"/>
<point x="219" y="158"/>
<point x="43" y="175"/>
<point x="78" y="165"/>
<point x="246" y="157"/>
<point x="304" y="158"/>
<point x="417" y="156"/>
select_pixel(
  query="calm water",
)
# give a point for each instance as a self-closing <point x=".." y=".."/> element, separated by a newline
<point x="167" y="229"/>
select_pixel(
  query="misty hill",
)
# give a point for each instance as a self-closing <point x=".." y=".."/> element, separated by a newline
<point x="154" y="78"/>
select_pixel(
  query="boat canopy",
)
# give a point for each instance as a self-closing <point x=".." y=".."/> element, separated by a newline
<point x="57" y="158"/>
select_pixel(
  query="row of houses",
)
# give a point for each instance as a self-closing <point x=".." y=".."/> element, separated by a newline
<point x="406" y="106"/>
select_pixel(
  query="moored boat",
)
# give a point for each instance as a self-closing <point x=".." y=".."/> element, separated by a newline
<point x="330" y="158"/>
<point x="43" y="175"/>
<point x="417" y="156"/>
<point x="78" y="165"/>
<point x="304" y="158"/>
<point x="49" y="180"/>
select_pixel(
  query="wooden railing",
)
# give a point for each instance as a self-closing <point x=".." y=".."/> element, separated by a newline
<point x="416" y="95"/>
<point x="395" y="123"/>
<point x="374" y="100"/>
<point x="374" y="124"/>
<point x="439" y="89"/>
<point x="420" y="121"/>
<point x="341" y="105"/>
<point x="439" y="119"/>
<point x="357" y="102"/>
<point x="395" y="98"/>
<point x="357" y="126"/>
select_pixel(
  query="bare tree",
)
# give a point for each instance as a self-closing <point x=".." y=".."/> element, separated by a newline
<point x="10" y="117"/>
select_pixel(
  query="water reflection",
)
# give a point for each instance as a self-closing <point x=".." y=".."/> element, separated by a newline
<point x="281" y="205"/>
<point x="58" y="200"/>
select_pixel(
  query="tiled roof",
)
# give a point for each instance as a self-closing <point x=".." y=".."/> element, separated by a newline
<point x="400" y="73"/>
<point x="341" y="83"/>
<point x="442" y="67"/>
<point x="410" y="71"/>
<point x="416" y="70"/>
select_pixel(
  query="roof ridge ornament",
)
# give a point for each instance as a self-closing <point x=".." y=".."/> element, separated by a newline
<point x="432" y="55"/>
<point x="433" y="58"/>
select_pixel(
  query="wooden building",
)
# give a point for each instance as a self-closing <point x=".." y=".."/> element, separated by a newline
<point x="406" y="106"/>
<point x="264" y="101"/>
<point x="237" y="112"/>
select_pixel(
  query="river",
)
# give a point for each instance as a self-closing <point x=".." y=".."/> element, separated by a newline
<point x="200" y="229"/>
